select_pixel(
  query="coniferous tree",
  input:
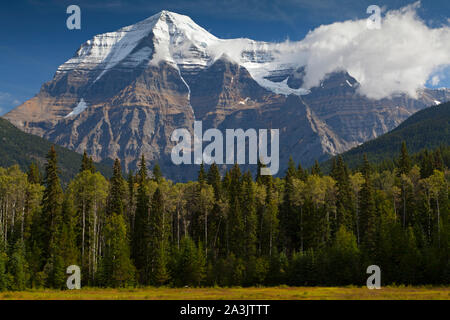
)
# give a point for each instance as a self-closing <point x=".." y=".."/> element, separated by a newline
<point x="368" y="211"/>
<point x="217" y="216"/>
<point x="201" y="175"/>
<point x="315" y="170"/>
<point x="18" y="267"/>
<point x="404" y="163"/>
<point x="190" y="264"/>
<point x="289" y="219"/>
<point x="427" y="165"/>
<point x="116" y="268"/>
<point x="33" y="174"/>
<point x="235" y="221"/>
<point x="68" y="239"/>
<point x="87" y="163"/>
<point x="301" y="173"/>
<point x="51" y="219"/>
<point x="157" y="173"/>
<point x="404" y="166"/>
<point x="131" y="203"/>
<point x="250" y="227"/>
<point x="344" y="196"/>
<point x="141" y="225"/>
<point x="159" y="241"/>
<point x="116" y="197"/>
<point x="438" y="160"/>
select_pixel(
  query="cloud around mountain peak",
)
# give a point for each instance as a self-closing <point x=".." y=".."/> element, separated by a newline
<point x="400" y="57"/>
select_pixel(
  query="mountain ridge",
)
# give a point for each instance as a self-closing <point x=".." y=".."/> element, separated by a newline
<point x="168" y="72"/>
<point x="17" y="147"/>
<point x="426" y="129"/>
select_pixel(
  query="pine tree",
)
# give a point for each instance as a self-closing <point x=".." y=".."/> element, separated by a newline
<point x="131" y="204"/>
<point x="216" y="220"/>
<point x="116" y="268"/>
<point x="157" y="174"/>
<point x="438" y="161"/>
<point x="427" y="165"/>
<point x="18" y="267"/>
<point x="201" y="175"/>
<point x="87" y="163"/>
<point x="289" y="219"/>
<point x="270" y="220"/>
<point x="33" y="174"/>
<point x="141" y="225"/>
<point x="315" y="170"/>
<point x="159" y="241"/>
<point x="117" y="191"/>
<point x="301" y="173"/>
<point x="190" y="264"/>
<point x="51" y="219"/>
<point x="404" y="163"/>
<point x="249" y="217"/>
<point x="368" y="211"/>
<point x="344" y="202"/>
<point x="68" y="240"/>
<point x="213" y="179"/>
<point x="404" y="166"/>
<point x="235" y="221"/>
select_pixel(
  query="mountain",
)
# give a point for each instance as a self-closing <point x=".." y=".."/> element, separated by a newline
<point x="124" y="92"/>
<point x="17" y="147"/>
<point x="426" y="129"/>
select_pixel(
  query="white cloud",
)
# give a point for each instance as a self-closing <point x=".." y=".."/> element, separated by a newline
<point x="400" y="57"/>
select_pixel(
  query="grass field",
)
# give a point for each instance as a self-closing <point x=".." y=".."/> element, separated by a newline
<point x="275" y="293"/>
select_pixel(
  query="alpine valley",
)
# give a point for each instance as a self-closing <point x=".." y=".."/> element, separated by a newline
<point x="124" y="92"/>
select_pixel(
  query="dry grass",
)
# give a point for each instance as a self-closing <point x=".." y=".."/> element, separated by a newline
<point x="274" y="293"/>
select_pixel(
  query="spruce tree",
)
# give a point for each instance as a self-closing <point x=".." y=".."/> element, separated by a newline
<point x="159" y="241"/>
<point x="157" y="173"/>
<point x="33" y="174"/>
<point x="201" y="175"/>
<point x="117" y="191"/>
<point x="213" y="179"/>
<point x="368" y="211"/>
<point x="427" y="165"/>
<point x="190" y="264"/>
<point x="438" y="161"/>
<point x="18" y="267"/>
<point x="289" y="219"/>
<point x="344" y="203"/>
<point x="141" y="224"/>
<point x="131" y="204"/>
<point x="235" y="221"/>
<point x="249" y="217"/>
<point x="315" y="170"/>
<point x="404" y="163"/>
<point x="404" y="167"/>
<point x="51" y="219"/>
<point x="87" y="163"/>
<point x="116" y="268"/>
<point x="67" y="246"/>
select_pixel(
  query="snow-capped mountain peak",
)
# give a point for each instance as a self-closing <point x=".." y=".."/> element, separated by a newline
<point x="171" y="33"/>
<point x="175" y="39"/>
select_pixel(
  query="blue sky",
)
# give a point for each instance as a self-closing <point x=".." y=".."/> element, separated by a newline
<point x="35" y="40"/>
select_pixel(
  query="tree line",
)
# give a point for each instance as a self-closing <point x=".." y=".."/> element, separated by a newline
<point x="306" y="228"/>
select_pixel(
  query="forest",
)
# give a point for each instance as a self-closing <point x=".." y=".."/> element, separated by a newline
<point x="306" y="228"/>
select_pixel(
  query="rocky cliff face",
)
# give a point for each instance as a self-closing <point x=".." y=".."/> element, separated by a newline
<point x="124" y="92"/>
